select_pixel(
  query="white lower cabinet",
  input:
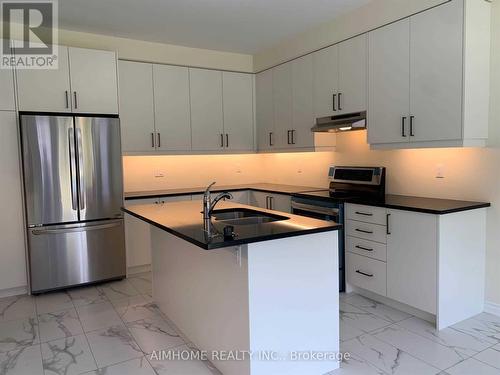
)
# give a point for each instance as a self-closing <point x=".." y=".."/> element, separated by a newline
<point x="366" y="273"/>
<point x="271" y="201"/>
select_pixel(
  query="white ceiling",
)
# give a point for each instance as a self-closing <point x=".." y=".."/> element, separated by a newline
<point x="245" y="26"/>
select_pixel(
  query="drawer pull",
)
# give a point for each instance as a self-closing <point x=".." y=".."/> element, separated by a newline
<point x="364" y="213"/>
<point x="364" y="273"/>
<point x="363" y="248"/>
<point x="364" y="231"/>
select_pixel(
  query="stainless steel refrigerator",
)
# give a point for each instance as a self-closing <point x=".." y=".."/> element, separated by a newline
<point x="73" y="189"/>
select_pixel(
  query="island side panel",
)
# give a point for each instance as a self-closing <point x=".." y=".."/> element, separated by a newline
<point x="205" y="294"/>
<point x="461" y="266"/>
<point x="294" y="301"/>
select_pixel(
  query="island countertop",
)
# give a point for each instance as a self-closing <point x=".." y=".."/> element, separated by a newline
<point x="185" y="220"/>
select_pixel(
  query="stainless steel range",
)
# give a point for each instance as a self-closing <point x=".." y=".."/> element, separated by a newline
<point x="347" y="184"/>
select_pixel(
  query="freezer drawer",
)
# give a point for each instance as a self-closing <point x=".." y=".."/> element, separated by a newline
<point x="67" y="255"/>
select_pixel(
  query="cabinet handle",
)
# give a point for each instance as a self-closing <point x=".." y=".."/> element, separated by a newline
<point x="364" y="231"/>
<point x="221" y="140"/>
<point x="334" y="99"/>
<point x="364" y="213"/>
<point x="153" y="140"/>
<point x="267" y="202"/>
<point x="158" y="136"/>
<point x="271" y="139"/>
<point x="293" y="137"/>
<point x="363" y="248"/>
<point x="67" y="98"/>
<point x="403" y="126"/>
<point x="364" y="273"/>
<point x="76" y="101"/>
<point x="271" y="204"/>
<point x="387" y="223"/>
<point x="227" y="140"/>
<point x="340" y="101"/>
<point x="288" y="137"/>
<point x="412" y="118"/>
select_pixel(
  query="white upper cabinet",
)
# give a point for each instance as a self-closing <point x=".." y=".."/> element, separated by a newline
<point x="302" y="102"/>
<point x="353" y="80"/>
<point x="443" y="54"/>
<point x="136" y="106"/>
<point x="436" y="74"/>
<point x="282" y="100"/>
<point x="206" y="110"/>
<point x="237" y="89"/>
<point x="85" y="82"/>
<point x="45" y="90"/>
<point x="264" y="110"/>
<point x="93" y="81"/>
<point x="7" y="102"/>
<point x="326" y="81"/>
<point x="389" y="84"/>
<point x="171" y="107"/>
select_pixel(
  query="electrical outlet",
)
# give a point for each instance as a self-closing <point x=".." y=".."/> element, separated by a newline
<point x="159" y="174"/>
<point x="440" y="171"/>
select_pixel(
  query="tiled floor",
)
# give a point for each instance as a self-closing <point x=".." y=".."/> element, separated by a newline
<point x="110" y="329"/>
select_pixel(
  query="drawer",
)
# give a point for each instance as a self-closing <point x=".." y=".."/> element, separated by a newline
<point x="367" y="214"/>
<point x="367" y="231"/>
<point x="370" y="249"/>
<point x="366" y="273"/>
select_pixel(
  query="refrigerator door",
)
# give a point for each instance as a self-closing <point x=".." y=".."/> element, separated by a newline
<point x="49" y="167"/>
<point x="67" y="255"/>
<point x="100" y="167"/>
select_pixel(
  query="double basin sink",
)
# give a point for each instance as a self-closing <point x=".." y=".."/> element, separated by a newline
<point x="245" y="216"/>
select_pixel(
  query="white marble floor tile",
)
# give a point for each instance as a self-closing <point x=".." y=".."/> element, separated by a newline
<point x="17" y="307"/>
<point x="472" y="366"/>
<point x="347" y="332"/>
<point x="424" y="349"/>
<point x="59" y="324"/>
<point x="356" y="365"/>
<point x="138" y="366"/>
<point x="86" y="296"/>
<point x="51" y="302"/>
<point x="25" y="361"/>
<point x="386" y="357"/>
<point x="68" y="356"/>
<point x="136" y="308"/>
<point x="383" y="311"/>
<point x="98" y="316"/>
<point x="113" y="345"/>
<point x="182" y="366"/>
<point x="360" y="319"/>
<point x="480" y="329"/>
<point x="142" y="285"/>
<point x="118" y="289"/>
<point x="490" y="356"/>
<point x="464" y="345"/>
<point x="16" y="334"/>
<point x="154" y="334"/>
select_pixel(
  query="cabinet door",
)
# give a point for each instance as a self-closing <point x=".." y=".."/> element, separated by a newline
<point x="136" y="103"/>
<point x="281" y="202"/>
<point x="7" y="89"/>
<point x="282" y="99"/>
<point x="412" y="259"/>
<point x="172" y="112"/>
<point x="12" y="266"/>
<point x="437" y="73"/>
<point x="206" y="109"/>
<point x="353" y="80"/>
<point x="302" y="102"/>
<point x="93" y="81"/>
<point x="389" y="87"/>
<point x="326" y="81"/>
<point x="44" y="90"/>
<point x="258" y="199"/>
<point x="240" y="196"/>
<point x="237" y="89"/>
<point x="264" y="110"/>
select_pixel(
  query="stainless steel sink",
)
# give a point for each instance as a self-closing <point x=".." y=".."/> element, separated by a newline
<point x="243" y="216"/>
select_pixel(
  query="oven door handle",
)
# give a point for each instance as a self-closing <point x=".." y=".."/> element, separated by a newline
<point x="315" y="209"/>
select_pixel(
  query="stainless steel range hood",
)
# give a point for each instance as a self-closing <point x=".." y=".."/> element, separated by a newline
<point x="340" y="123"/>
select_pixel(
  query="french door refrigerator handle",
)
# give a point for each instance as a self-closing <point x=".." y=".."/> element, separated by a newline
<point x="72" y="168"/>
<point x="79" y="228"/>
<point x="76" y="101"/>
<point x="81" y="178"/>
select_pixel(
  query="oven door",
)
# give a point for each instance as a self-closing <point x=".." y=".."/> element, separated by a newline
<point x="327" y="213"/>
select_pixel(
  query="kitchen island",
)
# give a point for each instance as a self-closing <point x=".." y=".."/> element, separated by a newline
<point x="268" y="296"/>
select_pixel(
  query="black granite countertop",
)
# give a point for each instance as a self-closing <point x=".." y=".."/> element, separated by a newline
<point x="185" y="220"/>
<point x="265" y="187"/>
